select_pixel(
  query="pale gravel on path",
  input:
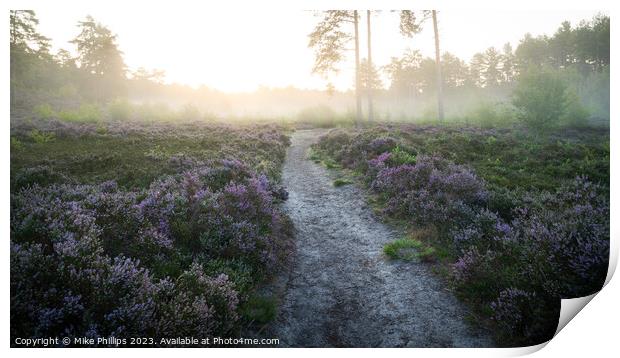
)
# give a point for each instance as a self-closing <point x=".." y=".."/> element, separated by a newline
<point x="340" y="290"/>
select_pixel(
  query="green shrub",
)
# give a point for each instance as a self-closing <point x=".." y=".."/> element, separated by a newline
<point x="119" y="109"/>
<point x="541" y="98"/>
<point x="85" y="113"/>
<point x="488" y="114"/>
<point x="41" y="137"/>
<point x="428" y="254"/>
<point x="576" y="114"/>
<point x="44" y="111"/>
<point x="399" y="157"/>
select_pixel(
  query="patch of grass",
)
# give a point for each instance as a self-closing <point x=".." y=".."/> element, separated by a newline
<point x="331" y="164"/>
<point x="314" y="156"/>
<point x="421" y="244"/>
<point x="403" y="249"/>
<point x="400" y="157"/>
<point x="428" y="254"/>
<point x="40" y="137"/>
<point x="16" y="144"/>
<point x="342" y="181"/>
<point x="136" y="159"/>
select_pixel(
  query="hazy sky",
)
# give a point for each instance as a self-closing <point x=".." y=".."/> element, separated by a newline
<point x="240" y="51"/>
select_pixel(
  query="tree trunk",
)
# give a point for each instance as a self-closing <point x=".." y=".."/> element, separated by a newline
<point x="438" y="66"/>
<point x="370" y="89"/>
<point x="358" y="98"/>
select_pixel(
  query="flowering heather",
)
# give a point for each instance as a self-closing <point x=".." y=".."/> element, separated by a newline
<point x="522" y="316"/>
<point x="516" y="249"/>
<point x="430" y="191"/>
<point x="177" y="257"/>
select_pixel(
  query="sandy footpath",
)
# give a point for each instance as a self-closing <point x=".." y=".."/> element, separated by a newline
<point x="341" y="291"/>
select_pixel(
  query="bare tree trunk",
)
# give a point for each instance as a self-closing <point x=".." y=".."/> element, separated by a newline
<point x="358" y="98"/>
<point x="370" y="89"/>
<point x="438" y="66"/>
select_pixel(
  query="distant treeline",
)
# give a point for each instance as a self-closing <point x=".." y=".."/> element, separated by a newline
<point x="98" y="74"/>
<point x="580" y="53"/>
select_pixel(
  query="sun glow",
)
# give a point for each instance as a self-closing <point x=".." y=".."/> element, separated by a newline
<point x="235" y="51"/>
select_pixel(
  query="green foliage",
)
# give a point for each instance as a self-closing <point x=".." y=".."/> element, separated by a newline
<point x="532" y="217"/>
<point x="403" y="249"/>
<point x="331" y="163"/>
<point x="44" y="111"/>
<point x="314" y="156"/>
<point x="329" y="40"/>
<point x="85" y="113"/>
<point x="342" y="181"/>
<point x="41" y="175"/>
<point x="541" y="98"/>
<point x="138" y="159"/>
<point x="399" y="156"/>
<point x="16" y="144"/>
<point x="489" y="115"/>
<point x="575" y="113"/>
<point x="119" y="109"/>
<point x="24" y="35"/>
<point x="428" y="254"/>
<point x="40" y="137"/>
<point x="98" y="51"/>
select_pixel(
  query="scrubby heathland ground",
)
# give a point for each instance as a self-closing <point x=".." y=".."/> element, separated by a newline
<point x="514" y="219"/>
<point x="143" y="230"/>
<point x="144" y="208"/>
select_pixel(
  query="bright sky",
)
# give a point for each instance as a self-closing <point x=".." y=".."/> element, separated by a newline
<point x="239" y="51"/>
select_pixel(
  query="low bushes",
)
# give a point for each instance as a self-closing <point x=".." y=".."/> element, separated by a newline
<point x="512" y="252"/>
<point x="178" y="254"/>
<point x="95" y="261"/>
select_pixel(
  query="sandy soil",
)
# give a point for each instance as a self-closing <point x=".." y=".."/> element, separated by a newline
<point x="341" y="291"/>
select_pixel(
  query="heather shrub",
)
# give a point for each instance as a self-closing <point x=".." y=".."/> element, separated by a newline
<point x="97" y="260"/>
<point x="556" y="246"/>
<point x="478" y="275"/>
<point x="503" y="201"/>
<point x="515" y="242"/>
<point x="42" y="175"/>
<point x="432" y="191"/>
<point x="334" y="140"/>
<point x="485" y="231"/>
<point x="567" y="232"/>
<point x="381" y="145"/>
<point x="524" y="317"/>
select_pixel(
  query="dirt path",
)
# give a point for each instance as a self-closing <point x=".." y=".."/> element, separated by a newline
<point x="341" y="290"/>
